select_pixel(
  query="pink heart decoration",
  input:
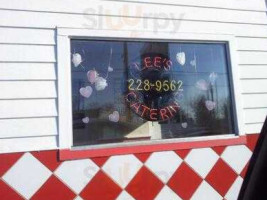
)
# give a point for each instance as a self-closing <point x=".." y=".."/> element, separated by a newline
<point x="114" y="117"/>
<point x="92" y="75"/>
<point x="210" y="105"/>
<point x="86" y="120"/>
<point x="202" y="85"/>
<point x="86" y="91"/>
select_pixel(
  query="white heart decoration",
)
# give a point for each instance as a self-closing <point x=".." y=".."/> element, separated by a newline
<point x="100" y="83"/>
<point x="92" y="75"/>
<point x="179" y="96"/>
<point x="210" y="105"/>
<point x="110" y="69"/>
<point x="114" y="117"/>
<point x="86" y="120"/>
<point x="193" y="63"/>
<point x="202" y="85"/>
<point x="76" y="59"/>
<point x="184" y="124"/>
<point x="213" y="76"/>
<point x="180" y="57"/>
<point x="86" y="91"/>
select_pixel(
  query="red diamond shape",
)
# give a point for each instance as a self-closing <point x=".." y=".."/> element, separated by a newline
<point x="142" y="156"/>
<point x="183" y="153"/>
<point x="252" y="141"/>
<point x="219" y="150"/>
<point x="53" y="189"/>
<point x="101" y="187"/>
<point x="145" y="185"/>
<point x="100" y="161"/>
<point x="48" y="158"/>
<point x="7" y="161"/>
<point x="221" y="177"/>
<point x="184" y="181"/>
<point x="6" y="193"/>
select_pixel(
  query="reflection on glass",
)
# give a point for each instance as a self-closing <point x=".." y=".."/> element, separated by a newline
<point x="130" y="91"/>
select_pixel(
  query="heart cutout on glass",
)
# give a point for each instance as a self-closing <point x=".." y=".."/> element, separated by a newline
<point x="193" y="63"/>
<point x="86" y="91"/>
<point x="184" y="124"/>
<point x="202" y="85"/>
<point x="76" y="59"/>
<point x="110" y="69"/>
<point x="100" y="83"/>
<point x="114" y="117"/>
<point x="86" y="120"/>
<point x="92" y="76"/>
<point x="210" y="105"/>
<point x="180" y="57"/>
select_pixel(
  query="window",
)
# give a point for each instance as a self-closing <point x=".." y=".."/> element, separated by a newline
<point x="125" y="91"/>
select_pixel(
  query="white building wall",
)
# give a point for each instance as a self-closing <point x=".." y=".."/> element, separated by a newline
<point x="28" y="60"/>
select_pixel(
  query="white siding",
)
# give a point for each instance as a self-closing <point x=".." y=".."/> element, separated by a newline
<point x="27" y="71"/>
<point x="27" y="53"/>
<point x="28" y="98"/>
<point x="26" y="127"/>
<point x="21" y="36"/>
<point x="24" y="108"/>
<point x="255" y="115"/>
<point x="28" y="143"/>
<point x="27" y="89"/>
<point x="250" y="86"/>
<point x="253" y="72"/>
<point x="256" y="100"/>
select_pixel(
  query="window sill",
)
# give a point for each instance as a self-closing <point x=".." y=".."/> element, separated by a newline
<point x="166" y="145"/>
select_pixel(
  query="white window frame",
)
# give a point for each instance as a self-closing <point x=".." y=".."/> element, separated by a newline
<point x="64" y="35"/>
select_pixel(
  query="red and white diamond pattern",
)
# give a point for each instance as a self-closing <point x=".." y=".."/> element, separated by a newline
<point x="198" y="174"/>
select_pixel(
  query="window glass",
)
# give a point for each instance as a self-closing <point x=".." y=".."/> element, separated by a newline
<point x="125" y="91"/>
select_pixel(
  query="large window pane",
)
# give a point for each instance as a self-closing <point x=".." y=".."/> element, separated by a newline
<point x="125" y="91"/>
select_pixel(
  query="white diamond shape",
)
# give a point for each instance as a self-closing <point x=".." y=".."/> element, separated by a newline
<point x="233" y="192"/>
<point x="205" y="191"/>
<point x="167" y="193"/>
<point x="125" y="196"/>
<point x="237" y="157"/>
<point x="78" y="198"/>
<point x="202" y="160"/>
<point x="163" y="164"/>
<point x="77" y="174"/>
<point x="27" y="175"/>
<point x="122" y="168"/>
